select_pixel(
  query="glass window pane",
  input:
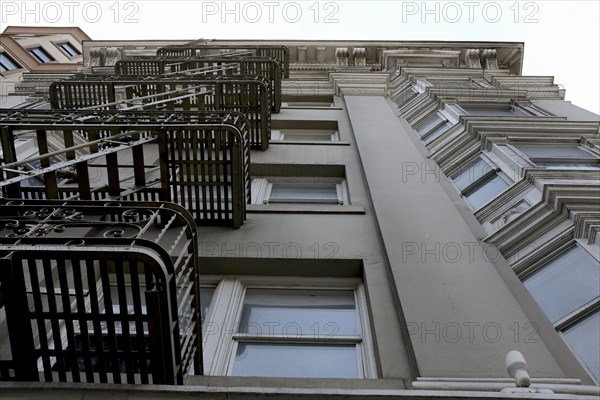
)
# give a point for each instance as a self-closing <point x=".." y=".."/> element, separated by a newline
<point x="307" y="134"/>
<point x="565" y="283"/>
<point x="406" y="96"/>
<point x="206" y="295"/>
<point x="584" y="338"/>
<point x="304" y="193"/>
<point x="496" y="110"/>
<point x="40" y="55"/>
<point x="536" y="151"/>
<point x="470" y="173"/>
<point x="302" y="137"/>
<point x="6" y="63"/>
<point x="315" y="313"/>
<point x="489" y="189"/>
<point x="70" y="50"/>
<point x="436" y="133"/>
<point x="563" y="165"/>
<point x="428" y="124"/>
<point x="296" y="360"/>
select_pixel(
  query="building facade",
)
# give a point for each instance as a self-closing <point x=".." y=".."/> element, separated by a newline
<point x="350" y="220"/>
<point x="39" y="50"/>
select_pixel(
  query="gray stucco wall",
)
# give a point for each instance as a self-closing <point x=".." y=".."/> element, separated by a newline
<point x="462" y="317"/>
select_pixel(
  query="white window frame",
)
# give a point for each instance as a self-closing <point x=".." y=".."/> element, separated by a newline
<point x="576" y="316"/>
<point x="534" y="161"/>
<point x="262" y="187"/>
<point x="520" y="109"/>
<point x="449" y="114"/>
<point x="225" y="310"/>
<point x="494" y="169"/>
<point x="280" y="135"/>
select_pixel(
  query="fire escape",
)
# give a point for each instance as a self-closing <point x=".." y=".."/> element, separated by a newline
<point x="98" y="243"/>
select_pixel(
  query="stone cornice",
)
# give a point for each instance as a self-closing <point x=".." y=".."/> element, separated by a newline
<point x="359" y="84"/>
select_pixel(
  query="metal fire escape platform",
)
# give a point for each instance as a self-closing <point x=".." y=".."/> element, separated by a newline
<point x="199" y="160"/>
<point x="99" y="291"/>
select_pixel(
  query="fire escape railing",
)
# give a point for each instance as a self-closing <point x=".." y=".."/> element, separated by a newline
<point x="269" y="68"/>
<point x="250" y="96"/>
<point x="278" y="52"/>
<point x="99" y="292"/>
<point x="199" y="160"/>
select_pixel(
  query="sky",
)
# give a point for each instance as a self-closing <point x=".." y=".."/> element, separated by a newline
<point x="562" y="38"/>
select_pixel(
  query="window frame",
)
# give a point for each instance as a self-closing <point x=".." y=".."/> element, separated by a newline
<point x="226" y="307"/>
<point x="535" y="161"/>
<point x="449" y="115"/>
<point x="279" y="135"/>
<point x="12" y="60"/>
<point x="541" y="259"/>
<point x="262" y="187"/>
<point x="519" y="109"/>
<point x="32" y="52"/>
<point x="60" y="45"/>
<point x="471" y="187"/>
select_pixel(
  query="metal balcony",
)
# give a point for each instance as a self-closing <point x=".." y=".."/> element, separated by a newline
<point x="99" y="292"/>
<point x="250" y="96"/>
<point x="280" y="53"/>
<point x="199" y="160"/>
<point x="269" y="68"/>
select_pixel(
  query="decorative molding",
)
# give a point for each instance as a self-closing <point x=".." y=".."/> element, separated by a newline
<point x="488" y="58"/>
<point x="471" y="58"/>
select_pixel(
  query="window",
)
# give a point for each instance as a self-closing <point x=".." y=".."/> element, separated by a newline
<point x="567" y="288"/>
<point x="305" y="135"/>
<point x="405" y="97"/>
<point x="282" y="190"/>
<point x="40" y="54"/>
<point x="479" y="182"/>
<point x="306" y="330"/>
<point x="69" y="49"/>
<point x="500" y="110"/>
<point x="7" y="63"/>
<point x="459" y="84"/>
<point x="565" y="283"/>
<point x="584" y="338"/>
<point x="433" y="127"/>
<point x="560" y="157"/>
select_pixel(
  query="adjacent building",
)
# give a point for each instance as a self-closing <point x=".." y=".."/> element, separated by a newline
<point x="40" y="50"/>
<point x="300" y="219"/>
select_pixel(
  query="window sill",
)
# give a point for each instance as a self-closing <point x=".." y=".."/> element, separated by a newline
<point x="310" y="142"/>
<point x="304" y="209"/>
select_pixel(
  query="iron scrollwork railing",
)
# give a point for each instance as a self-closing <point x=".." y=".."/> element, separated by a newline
<point x="199" y="160"/>
<point x="100" y="291"/>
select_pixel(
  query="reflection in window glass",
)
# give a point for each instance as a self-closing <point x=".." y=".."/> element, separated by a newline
<point x="537" y="151"/>
<point x="325" y="193"/>
<point x="405" y="97"/>
<point x="486" y="191"/>
<point x="470" y="173"/>
<point x="565" y="283"/>
<point x="296" y="360"/>
<point x="299" y="312"/>
<point x="206" y="295"/>
<point x="7" y="63"/>
<point x="584" y="338"/>
<point x="436" y="133"/>
<point x="40" y="54"/>
<point x="429" y="124"/>
<point x="69" y="49"/>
